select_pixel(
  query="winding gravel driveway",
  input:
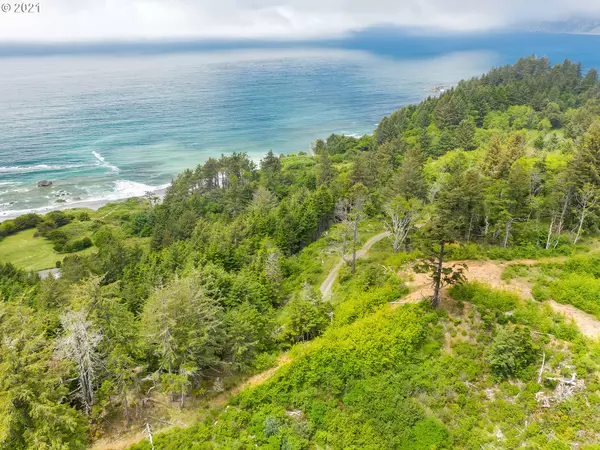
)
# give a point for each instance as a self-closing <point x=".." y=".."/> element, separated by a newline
<point x="327" y="285"/>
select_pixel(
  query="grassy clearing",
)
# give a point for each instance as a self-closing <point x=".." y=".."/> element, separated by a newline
<point x="27" y="252"/>
<point x="36" y="253"/>
<point x="575" y="281"/>
<point x="31" y="253"/>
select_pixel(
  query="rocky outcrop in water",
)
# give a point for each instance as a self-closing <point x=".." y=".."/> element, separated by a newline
<point x="44" y="183"/>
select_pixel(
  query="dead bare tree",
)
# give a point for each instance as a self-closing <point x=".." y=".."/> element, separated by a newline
<point x="349" y="213"/>
<point x="152" y="198"/>
<point x="79" y="344"/>
<point x="539" y="379"/>
<point x="587" y="198"/>
<point x="400" y="216"/>
<point x="148" y="433"/>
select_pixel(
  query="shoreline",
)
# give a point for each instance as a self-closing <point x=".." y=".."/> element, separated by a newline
<point x="94" y="205"/>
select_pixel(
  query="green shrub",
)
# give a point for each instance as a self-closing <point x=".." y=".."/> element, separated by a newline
<point x="581" y="291"/>
<point x="481" y="295"/>
<point x="24" y="222"/>
<point x="512" y="350"/>
<point x="80" y="244"/>
<point x="498" y="306"/>
<point x="515" y="271"/>
<point x="53" y="220"/>
<point x="357" y="305"/>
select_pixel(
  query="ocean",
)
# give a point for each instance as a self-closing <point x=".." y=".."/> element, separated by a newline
<point x="111" y="124"/>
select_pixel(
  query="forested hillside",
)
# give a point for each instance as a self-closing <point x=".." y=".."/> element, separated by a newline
<point x="176" y="302"/>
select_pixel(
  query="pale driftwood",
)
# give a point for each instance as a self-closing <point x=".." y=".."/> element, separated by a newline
<point x="569" y="381"/>
<point x="565" y="389"/>
<point x="539" y="380"/>
<point x="148" y="433"/>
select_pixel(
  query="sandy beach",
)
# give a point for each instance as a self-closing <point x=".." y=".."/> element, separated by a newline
<point x="88" y="204"/>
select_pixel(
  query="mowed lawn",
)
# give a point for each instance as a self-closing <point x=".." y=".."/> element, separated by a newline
<point x="27" y="252"/>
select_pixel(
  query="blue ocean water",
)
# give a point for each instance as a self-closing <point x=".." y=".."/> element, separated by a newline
<point x="109" y="125"/>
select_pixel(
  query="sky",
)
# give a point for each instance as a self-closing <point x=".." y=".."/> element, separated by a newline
<point x="135" y="20"/>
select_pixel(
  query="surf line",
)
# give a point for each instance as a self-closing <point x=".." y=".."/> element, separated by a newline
<point x="102" y="162"/>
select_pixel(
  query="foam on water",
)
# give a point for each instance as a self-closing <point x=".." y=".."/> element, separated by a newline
<point x="38" y="168"/>
<point x="126" y="189"/>
<point x="102" y="162"/>
<point x="122" y="189"/>
<point x="98" y="156"/>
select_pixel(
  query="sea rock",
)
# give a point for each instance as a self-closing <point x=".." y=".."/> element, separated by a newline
<point x="44" y="183"/>
<point x="60" y="200"/>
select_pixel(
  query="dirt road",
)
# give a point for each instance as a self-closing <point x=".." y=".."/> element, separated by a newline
<point x="327" y="285"/>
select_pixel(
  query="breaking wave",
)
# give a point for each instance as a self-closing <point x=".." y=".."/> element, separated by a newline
<point x="102" y="162"/>
<point x="40" y="168"/>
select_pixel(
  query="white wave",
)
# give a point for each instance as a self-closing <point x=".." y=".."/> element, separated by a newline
<point x="123" y="189"/>
<point x="127" y="189"/>
<point x="16" y="191"/>
<point x="98" y="156"/>
<point x="39" y="168"/>
<point x="10" y="213"/>
<point x="102" y="162"/>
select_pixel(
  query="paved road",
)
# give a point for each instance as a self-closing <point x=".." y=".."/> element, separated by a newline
<point x="55" y="273"/>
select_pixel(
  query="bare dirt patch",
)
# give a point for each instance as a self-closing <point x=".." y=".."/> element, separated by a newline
<point x="588" y="324"/>
<point x="490" y="272"/>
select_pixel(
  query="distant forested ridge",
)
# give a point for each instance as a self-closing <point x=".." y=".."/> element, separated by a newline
<point x="182" y="298"/>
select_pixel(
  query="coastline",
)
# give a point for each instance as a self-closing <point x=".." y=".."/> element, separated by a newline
<point x="94" y="205"/>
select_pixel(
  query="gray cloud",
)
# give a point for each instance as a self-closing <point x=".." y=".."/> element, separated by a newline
<point x="85" y="20"/>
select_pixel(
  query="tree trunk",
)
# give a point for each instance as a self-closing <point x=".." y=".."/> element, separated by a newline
<point x="579" y="227"/>
<point x="584" y="210"/>
<point x="507" y="228"/>
<point x="563" y="213"/>
<point x="355" y="239"/>
<point x="125" y="406"/>
<point x="549" y="238"/>
<point x="470" y="228"/>
<point x="148" y="433"/>
<point x="435" y="300"/>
